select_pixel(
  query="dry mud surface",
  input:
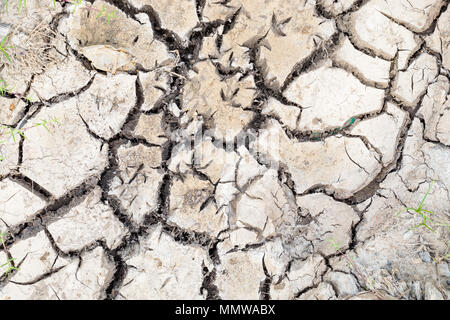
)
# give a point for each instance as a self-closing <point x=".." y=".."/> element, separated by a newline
<point x="226" y="149"/>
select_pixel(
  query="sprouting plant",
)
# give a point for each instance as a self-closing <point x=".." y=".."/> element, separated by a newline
<point x="425" y="214"/>
<point x="110" y="15"/>
<point x="4" y="88"/>
<point x="22" y="3"/>
<point x="9" y="261"/>
<point x="76" y="3"/>
<point x="3" y="48"/>
<point x="6" y="5"/>
<point x="13" y="132"/>
<point x="44" y="123"/>
<point x="101" y="11"/>
<point x="28" y="99"/>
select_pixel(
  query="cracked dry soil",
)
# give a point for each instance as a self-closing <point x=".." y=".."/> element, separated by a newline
<point x="128" y="198"/>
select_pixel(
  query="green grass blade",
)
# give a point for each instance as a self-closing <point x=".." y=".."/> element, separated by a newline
<point x="425" y="196"/>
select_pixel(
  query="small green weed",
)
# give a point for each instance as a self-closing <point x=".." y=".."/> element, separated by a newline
<point x="10" y="131"/>
<point x="3" y="48"/>
<point x="425" y="214"/>
<point x="9" y="261"/>
<point x="4" y="89"/>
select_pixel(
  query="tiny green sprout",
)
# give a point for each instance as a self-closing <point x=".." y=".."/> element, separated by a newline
<point x="112" y="14"/>
<point x="334" y="244"/>
<point x="10" y="266"/>
<point x="28" y="99"/>
<point x="6" y="5"/>
<point x="22" y="3"/>
<point x="55" y="120"/>
<point x="102" y="11"/>
<point x="13" y="133"/>
<point x="3" y="48"/>
<point x="3" y="87"/>
<point x="422" y="212"/>
<point x="8" y="263"/>
<point x="76" y="4"/>
<point x="44" y="123"/>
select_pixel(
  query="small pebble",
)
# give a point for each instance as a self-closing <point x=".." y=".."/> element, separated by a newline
<point x="425" y="256"/>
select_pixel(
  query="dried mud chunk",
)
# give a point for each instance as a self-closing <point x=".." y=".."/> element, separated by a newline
<point x="413" y="170"/>
<point x="84" y="29"/>
<point x="411" y="84"/>
<point x="105" y="105"/>
<point x="138" y="180"/>
<point x="374" y="71"/>
<point x="17" y="204"/>
<point x="220" y="10"/>
<point x="91" y="220"/>
<point x="11" y="111"/>
<point x="383" y="131"/>
<point x="192" y="208"/>
<point x="435" y="110"/>
<point x="335" y="7"/>
<point x="164" y="269"/>
<point x="179" y="16"/>
<point x="440" y="39"/>
<point x="331" y="222"/>
<point x="288" y="115"/>
<point x="378" y="216"/>
<point x="65" y="77"/>
<point x="9" y="153"/>
<point x="248" y="167"/>
<point x="301" y="275"/>
<point x="108" y="58"/>
<point x="345" y="284"/>
<point x="150" y="128"/>
<point x="66" y="155"/>
<point x="294" y="34"/>
<point x="331" y="96"/>
<point x="154" y="85"/>
<point x="416" y="15"/>
<point x="239" y="275"/>
<point x="87" y="281"/>
<point x="324" y="291"/>
<point x="343" y="164"/>
<point x="373" y="30"/>
<point x="219" y="101"/>
<point x="215" y="162"/>
<point x="291" y="32"/>
<point x="37" y="258"/>
<point x="264" y="206"/>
